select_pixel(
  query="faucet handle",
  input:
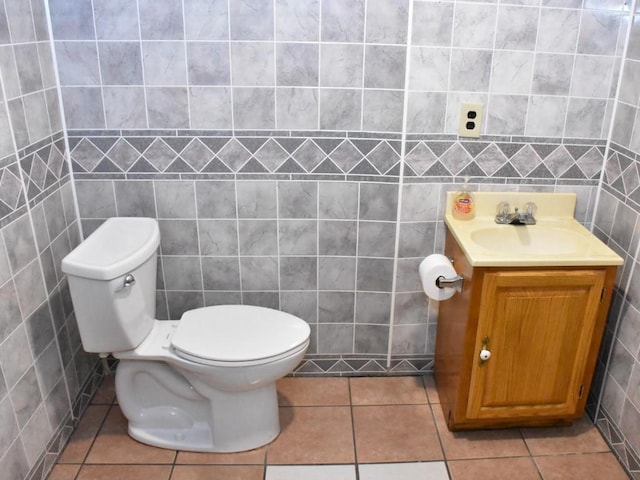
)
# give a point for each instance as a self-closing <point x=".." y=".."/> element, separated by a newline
<point x="502" y="210"/>
<point x="530" y="208"/>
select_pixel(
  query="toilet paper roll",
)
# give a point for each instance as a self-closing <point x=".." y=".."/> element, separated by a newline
<point x="431" y="268"/>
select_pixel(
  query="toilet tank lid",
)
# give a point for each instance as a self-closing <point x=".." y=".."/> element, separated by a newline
<point x="116" y="248"/>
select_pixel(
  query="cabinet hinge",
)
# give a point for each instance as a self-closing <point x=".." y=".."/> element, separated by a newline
<point x="602" y="294"/>
<point x="581" y="391"/>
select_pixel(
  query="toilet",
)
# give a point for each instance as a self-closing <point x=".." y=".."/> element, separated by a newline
<point x="205" y="383"/>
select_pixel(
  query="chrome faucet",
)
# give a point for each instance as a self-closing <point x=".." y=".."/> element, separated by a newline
<point x="504" y="217"/>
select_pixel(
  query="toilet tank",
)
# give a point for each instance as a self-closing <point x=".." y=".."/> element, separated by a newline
<point x="114" y="313"/>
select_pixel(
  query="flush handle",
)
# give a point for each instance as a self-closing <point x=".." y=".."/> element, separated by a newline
<point x="129" y="281"/>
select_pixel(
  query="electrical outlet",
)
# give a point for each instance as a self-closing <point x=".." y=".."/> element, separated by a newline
<point x="470" y="120"/>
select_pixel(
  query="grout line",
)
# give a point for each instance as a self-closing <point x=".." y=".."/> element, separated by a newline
<point x="353" y="431"/>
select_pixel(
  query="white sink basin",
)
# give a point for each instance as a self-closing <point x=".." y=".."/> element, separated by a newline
<point x="529" y="240"/>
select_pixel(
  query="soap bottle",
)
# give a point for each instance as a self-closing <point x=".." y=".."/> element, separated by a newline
<point x="463" y="207"/>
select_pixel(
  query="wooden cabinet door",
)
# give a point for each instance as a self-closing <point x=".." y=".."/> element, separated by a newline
<point x="539" y="326"/>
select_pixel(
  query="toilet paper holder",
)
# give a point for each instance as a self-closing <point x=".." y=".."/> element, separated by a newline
<point x="455" y="282"/>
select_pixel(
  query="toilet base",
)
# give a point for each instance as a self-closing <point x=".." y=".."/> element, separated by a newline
<point x="165" y="411"/>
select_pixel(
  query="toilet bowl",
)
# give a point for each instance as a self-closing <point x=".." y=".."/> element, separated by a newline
<point x="204" y="383"/>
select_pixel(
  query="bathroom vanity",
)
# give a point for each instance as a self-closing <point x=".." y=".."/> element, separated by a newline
<point x="518" y="345"/>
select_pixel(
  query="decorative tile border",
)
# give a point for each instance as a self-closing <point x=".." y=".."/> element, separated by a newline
<point x="44" y="169"/>
<point x="300" y="155"/>
<point x="360" y="365"/>
<point x="622" y="175"/>
<point x="43" y="166"/>
<point x="619" y="445"/>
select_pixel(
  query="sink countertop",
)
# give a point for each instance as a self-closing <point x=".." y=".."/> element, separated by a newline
<point x="557" y="239"/>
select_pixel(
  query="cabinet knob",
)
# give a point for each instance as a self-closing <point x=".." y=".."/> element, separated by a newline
<point x="485" y="353"/>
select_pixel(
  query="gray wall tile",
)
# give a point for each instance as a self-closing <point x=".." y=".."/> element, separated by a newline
<point x="206" y="20"/>
<point x="297" y="64"/>
<point x="69" y="20"/>
<point x="298" y="273"/>
<point x="297" y="108"/>
<point x="216" y="199"/>
<point x="210" y="107"/>
<point x="258" y="237"/>
<point x="336" y="273"/>
<point x="340" y="109"/>
<point x="432" y="23"/>
<point x="297" y="199"/>
<point x="337" y="237"/>
<point x="182" y="273"/>
<point x="251" y="20"/>
<point x="384" y="67"/>
<point x="78" y="63"/>
<point x="474" y="26"/>
<point x="259" y="273"/>
<point x="221" y="273"/>
<point x="387" y="21"/>
<point x="116" y="20"/>
<point x="342" y="21"/>
<point x="297" y="20"/>
<point x="298" y="237"/>
<point x="257" y="199"/>
<point x="517" y="27"/>
<point x="341" y="65"/>
<point x="376" y="239"/>
<point x="254" y="108"/>
<point x="178" y="237"/>
<point x="336" y="307"/>
<point x="175" y="199"/>
<point x="124" y="107"/>
<point x="120" y="63"/>
<point x="164" y="63"/>
<point x="161" y="20"/>
<point x="167" y="107"/>
<point x="218" y="237"/>
<point x="208" y="63"/>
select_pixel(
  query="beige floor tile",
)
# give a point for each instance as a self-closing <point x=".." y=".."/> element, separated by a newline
<point x="125" y="472"/>
<point x="430" y="387"/>
<point x="64" y="472"/>
<point x="586" y="466"/>
<point x="84" y="435"/>
<point x="479" y="443"/>
<point x="106" y="393"/>
<point x="251" y="457"/>
<point x="395" y="433"/>
<point x="313" y="435"/>
<point x="217" y="472"/>
<point x="581" y="437"/>
<point x="387" y="390"/>
<point x="114" y="446"/>
<point x="520" y="468"/>
<point x="313" y="391"/>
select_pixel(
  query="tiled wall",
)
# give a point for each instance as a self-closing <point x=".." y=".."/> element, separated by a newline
<point x="42" y="365"/>
<point x="234" y="123"/>
<point x="267" y="138"/>
<point x="618" y="222"/>
<point x="542" y="68"/>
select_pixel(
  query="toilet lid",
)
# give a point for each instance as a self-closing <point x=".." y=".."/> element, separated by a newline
<point x="238" y="333"/>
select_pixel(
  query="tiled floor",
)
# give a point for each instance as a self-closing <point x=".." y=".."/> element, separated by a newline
<point x="389" y="428"/>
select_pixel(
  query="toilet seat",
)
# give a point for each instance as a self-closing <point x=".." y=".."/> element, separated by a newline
<point x="238" y="335"/>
